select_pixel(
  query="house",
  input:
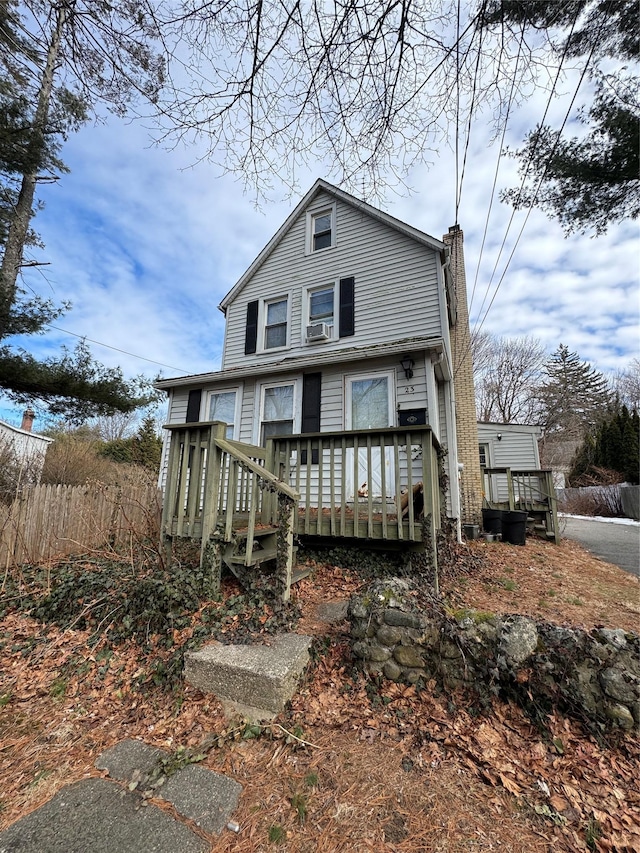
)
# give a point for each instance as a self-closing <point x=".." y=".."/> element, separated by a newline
<point x="342" y="341"/>
<point x="508" y="445"/>
<point x="23" y="450"/>
<point x="512" y="478"/>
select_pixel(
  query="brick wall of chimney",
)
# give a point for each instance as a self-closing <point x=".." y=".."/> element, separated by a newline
<point x="27" y="420"/>
<point x="466" y="421"/>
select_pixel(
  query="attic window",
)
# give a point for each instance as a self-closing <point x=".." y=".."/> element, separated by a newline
<point x="321" y="230"/>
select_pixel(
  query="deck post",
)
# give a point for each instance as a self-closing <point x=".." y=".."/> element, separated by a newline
<point x="284" y="555"/>
<point x="211" y="564"/>
<point x="553" y="505"/>
<point x="169" y="500"/>
<point x="512" y="498"/>
<point x="431" y="491"/>
<point x="210" y="497"/>
<point x="269" y="509"/>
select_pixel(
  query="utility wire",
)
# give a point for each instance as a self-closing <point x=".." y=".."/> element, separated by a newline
<point x="495" y="175"/>
<point x="123" y="351"/>
<point x="472" y="103"/>
<point x="528" y="166"/>
<point x="540" y="182"/>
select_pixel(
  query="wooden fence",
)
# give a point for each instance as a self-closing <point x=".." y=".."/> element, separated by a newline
<point x="55" y="521"/>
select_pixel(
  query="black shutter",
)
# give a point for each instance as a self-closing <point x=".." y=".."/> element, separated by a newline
<point x="193" y="406"/>
<point x="347" y="314"/>
<point x="311" y="387"/>
<point x="251" y="332"/>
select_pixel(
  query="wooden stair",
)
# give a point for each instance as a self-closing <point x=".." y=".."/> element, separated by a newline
<point x="264" y="551"/>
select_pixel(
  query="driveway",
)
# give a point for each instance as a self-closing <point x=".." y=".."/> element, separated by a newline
<point x="615" y="540"/>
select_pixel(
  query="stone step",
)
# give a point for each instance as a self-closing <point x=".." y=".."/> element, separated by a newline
<point x="254" y="681"/>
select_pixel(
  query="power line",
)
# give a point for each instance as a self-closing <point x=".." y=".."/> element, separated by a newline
<point x="495" y="176"/>
<point x="123" y="351"/>
<point x="528" y="166"/>
<point x="540" y="182"/>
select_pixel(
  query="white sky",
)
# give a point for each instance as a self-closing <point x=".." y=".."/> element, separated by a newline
<point x="145" y="246"/>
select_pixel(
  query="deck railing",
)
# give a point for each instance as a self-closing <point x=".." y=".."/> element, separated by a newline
<point x="216" y="487"/>
<point x="531" y="490"/>
<point x="374" y="484"/>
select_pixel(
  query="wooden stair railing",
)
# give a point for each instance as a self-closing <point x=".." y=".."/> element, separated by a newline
<point x="243" y="514"/>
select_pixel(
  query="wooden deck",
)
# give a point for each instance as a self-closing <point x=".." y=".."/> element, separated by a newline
<point x="531" y="491"/>
<point x="347" y="485"/>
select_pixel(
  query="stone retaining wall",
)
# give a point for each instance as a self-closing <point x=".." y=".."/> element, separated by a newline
<point x="400" y="631"/>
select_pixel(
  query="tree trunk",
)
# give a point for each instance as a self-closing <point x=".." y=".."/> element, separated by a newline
<point x="23" y="211"/>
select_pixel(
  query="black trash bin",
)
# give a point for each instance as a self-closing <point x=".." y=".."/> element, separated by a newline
<point x="492" y="521"/>
<point x="514" y="527"/>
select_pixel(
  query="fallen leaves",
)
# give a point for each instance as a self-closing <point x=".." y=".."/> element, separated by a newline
<point x="396" y="768"/>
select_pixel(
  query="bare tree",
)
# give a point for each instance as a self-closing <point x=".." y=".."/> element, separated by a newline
<point x="626" y="385"/>
<point x="367" y="88"/>
<point x="507" y="374"/>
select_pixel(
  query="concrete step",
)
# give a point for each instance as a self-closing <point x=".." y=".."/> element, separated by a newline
<point x="253" y="681"/>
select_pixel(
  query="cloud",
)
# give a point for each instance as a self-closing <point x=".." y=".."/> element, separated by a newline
<point x="145" y="245"/>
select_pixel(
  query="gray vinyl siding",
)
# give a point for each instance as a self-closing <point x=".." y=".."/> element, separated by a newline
<point x="178" y="406"/>
<point x="396" y="290"/>
<point x="517" y="449"/>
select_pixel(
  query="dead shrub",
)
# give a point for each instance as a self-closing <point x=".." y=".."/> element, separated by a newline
<point x="602" y="501"/>
<point x="72" y="460"/>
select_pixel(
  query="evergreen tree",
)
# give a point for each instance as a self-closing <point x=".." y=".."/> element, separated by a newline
<point x="148" y="445"/>
<point x="574" y="396"/>
<point x="590" y="182"/>
<point x="76" y="52"/>
<point x="612" y="446"/>
<point x="144" y="448"/>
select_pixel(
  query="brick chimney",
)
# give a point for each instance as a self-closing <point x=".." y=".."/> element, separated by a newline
<point x="466" y="421"/>
<point x="27" y="420"/>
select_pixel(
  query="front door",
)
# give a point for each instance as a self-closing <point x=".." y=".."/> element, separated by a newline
<point x="370" y="405"/>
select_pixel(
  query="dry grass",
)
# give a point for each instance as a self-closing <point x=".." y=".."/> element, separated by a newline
<point x="383" y="770"/>
<point x="562" y="583"/>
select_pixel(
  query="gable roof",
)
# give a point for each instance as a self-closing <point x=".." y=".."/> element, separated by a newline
<point x="323" y="186"/>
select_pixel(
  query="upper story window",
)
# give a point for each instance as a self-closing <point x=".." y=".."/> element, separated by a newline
<point x="321" y="305"/>
<point x="275" y="326"/>
<point x="321" y="229"/>
<point x="322" y="309"/>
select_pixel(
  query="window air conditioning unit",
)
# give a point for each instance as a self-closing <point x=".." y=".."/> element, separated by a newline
<point x="318" y="332"/>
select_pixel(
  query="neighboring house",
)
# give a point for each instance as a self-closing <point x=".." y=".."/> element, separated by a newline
<point x="509" y="445"/>
<point x="511" y="473"/>
<point x="24" y="449"/>
<point x="342" y="337"/>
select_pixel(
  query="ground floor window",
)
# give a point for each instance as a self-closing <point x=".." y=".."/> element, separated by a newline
<point x="277" y="410"/>
<point x="222" y="407"/>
